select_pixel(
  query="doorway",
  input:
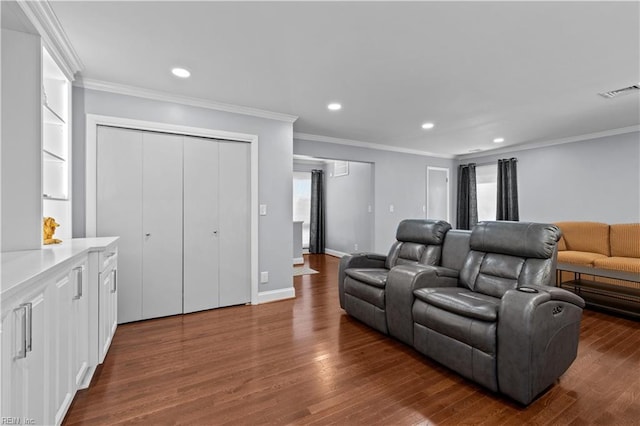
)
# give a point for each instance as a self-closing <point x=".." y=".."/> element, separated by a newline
<point x="437" y="193"/>
<point x="349" y="201"/>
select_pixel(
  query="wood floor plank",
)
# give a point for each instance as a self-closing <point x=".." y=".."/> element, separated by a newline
<point x="304" y="361"/>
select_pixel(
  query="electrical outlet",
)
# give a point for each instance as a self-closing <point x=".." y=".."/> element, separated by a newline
<point x="355" y="247"/>
<point x="263" y="209"/>
<point x="369" y="208"/>
<point x="391" y="208"/>
<point x="264" y="277"/>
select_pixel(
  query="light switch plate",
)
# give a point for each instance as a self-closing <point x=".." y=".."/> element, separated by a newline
<point x="263" y="209"/>
<point x="264" y="277"/>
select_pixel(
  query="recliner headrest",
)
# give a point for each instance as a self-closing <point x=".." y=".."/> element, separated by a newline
<point x="422" y="231"/>
<point x="523" y="239"/>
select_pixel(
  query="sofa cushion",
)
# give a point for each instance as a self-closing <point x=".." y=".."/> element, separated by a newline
<point x="461" y="301"/>
<point x="625" y="240"/>
<point x="579" y="257"/>
<point x="590" y="237"/>
<point x="372" y="276"/>
<point x="628" y="264"/>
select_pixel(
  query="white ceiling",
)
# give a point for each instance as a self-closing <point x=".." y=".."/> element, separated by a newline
<point x="526" y="71"/>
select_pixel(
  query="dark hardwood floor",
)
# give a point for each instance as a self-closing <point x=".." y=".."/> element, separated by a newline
<point x="304" y="361"/>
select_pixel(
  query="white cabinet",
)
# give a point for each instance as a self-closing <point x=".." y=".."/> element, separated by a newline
<point x="79" y="322"/>
<point x="181" y="206"/>
<point x="59" y="293"/>
<point x="49" y="343"/>
<point x="24" y="373"/>
<point x="108" y="300"/>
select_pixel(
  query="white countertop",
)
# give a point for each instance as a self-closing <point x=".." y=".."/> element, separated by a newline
<point x="23" y="267"/>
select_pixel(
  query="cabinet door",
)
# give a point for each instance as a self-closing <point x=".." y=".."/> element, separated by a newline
<point x="108" y="299"/>
<point x="61" y="294"/>
<point x="234" y="223"/>
<point x="24" y="373"/>
<point x="162" y="223"/>
<point x="79" y="323"/>
<point x="119" y="210"/>
<point x="201" y="232"/>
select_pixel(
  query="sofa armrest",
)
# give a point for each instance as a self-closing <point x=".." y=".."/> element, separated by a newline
<point x="538" y="332"/>
<point x="401" y="283"/>
<point x="357" y="260"/>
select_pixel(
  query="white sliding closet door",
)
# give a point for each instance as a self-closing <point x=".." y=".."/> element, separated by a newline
<point x="234" y="235"/>
<point x="162" y="223"/>
<point x="201" y="231"/>
<point x="119" y="210"/>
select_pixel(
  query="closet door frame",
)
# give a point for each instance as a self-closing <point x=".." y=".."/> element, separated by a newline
<point x="95" y="120"/>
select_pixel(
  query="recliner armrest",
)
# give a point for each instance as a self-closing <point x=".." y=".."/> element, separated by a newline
<point x="538" y="331"/>
<point x="357" y="260"/>
<point x="401" y="283"/>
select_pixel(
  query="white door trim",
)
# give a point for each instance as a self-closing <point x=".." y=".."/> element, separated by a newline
<point x="94" y="120"/>
<point x="445" y="169"/>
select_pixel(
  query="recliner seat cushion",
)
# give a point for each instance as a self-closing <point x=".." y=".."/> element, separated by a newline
<point x="372" y="276"/>
<point x="461" y="301"/>
<point x="470" y="331"/>
<point x="365" y="292"/>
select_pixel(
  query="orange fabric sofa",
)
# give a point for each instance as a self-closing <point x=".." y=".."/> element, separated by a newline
<point x="600" y="245"/>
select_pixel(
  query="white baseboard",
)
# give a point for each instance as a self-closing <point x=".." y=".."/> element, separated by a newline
<point x="298" y="260"/>
<point x="275" y="295"/>
<point x="335" y="253"/>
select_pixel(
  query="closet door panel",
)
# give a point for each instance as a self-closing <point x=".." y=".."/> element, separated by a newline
<point x="234" y="220"/>
<point x="201" y="230"/>
<point x="162" y="225"/>
<point x="119" y="210"/>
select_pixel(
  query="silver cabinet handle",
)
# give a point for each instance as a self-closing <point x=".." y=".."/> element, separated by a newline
<point x="29" y="327"/>
<point x="115" y="281"/>
<point x="78" y="272"/>
<point x="22" y="352"/>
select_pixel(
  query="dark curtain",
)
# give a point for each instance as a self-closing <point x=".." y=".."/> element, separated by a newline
<point x="316" y="225"/>
<point x="467" y="214"/>
<point x="507" y="208"/>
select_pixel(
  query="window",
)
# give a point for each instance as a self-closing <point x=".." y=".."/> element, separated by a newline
<point x="487" y="190"/>
<point x="302" y="203"/>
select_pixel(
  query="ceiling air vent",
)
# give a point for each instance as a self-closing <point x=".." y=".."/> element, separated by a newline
<point x="619" y="92"/>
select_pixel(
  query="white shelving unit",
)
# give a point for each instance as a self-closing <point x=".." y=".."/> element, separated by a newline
<point x="56" y="152"/>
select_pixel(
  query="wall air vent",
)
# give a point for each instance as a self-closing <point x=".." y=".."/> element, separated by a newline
<point x="619" y="92"/>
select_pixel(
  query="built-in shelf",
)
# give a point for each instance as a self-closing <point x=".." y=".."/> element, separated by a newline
<point x="50" y="156"/>
<point x="51" y="117"/>
<point x="56" y="145"/>
<point x="54" y="197"/>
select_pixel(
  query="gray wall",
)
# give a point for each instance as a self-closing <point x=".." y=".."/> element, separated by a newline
<point x="275" y="165"/>
<point x="399" y="179"/>
<point x="591" y="180"/>
<point x="349" y="224"/>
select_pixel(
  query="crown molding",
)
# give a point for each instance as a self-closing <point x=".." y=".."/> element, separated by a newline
<point x="552" y="142"/>
<point x="45" y="21"/>
<point x="369" y="145"/>
<point x="156" y="95"/>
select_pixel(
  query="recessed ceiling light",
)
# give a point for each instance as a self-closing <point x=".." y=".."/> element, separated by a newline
<point x="181" y="72"/>
<point x="428" y="126"/>
<point x="498" y="140"/>
<point x="334" y="106"/>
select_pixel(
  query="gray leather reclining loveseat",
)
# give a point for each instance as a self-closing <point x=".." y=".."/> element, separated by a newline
<point x="488" y="309"/>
